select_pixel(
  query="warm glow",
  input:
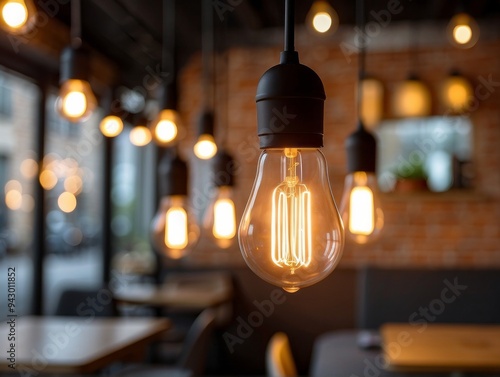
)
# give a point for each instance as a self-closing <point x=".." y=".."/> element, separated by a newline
<point x="224" y="219"/>
<point x="322" y="22"/>
<point x="29" y="168"/>
<point x="291" y="219"/>
<point x="205" y="148"/>
<point x="411" y="99"/>
<point x="462" y="34"/>
<point x="13" y="185"/>
<point x="15" y="14"/>
<point x="361" y="211"/>
<point x="48" y="179"/>
<point x="372" y="102"/>
<point x="140" y="136"/>
<point x="456" y="93"/>
<point x="76" y="100"/>
<point x="176" y="228"/>
<point x="73" y="184"/>
<point x="111" y="126"/>
<point x="13" y="199"/>
<point x="165" y="131"/>
<point x="66" y="202"/>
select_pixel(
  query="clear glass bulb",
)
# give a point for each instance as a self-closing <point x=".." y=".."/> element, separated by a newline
<point x="360" y="207"/>
<point x="220" y="217"/>
<point x="76" y="100"/>
<point x="205" y="148"/>
<point x="291" y="233"/>
<point x="174" y="230"/>
<point x="166" y="126"/>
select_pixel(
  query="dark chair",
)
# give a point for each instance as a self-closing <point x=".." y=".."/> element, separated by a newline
<point x="193" y="358"/>
<point x="430" y="295"/>
<point x="75" y="302"/>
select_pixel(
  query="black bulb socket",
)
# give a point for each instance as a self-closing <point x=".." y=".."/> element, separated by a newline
<point x="224" y="168"/>
<point x="361" y="147"/>
<point x="75" y="64"/>
<point x="173" y="174"/>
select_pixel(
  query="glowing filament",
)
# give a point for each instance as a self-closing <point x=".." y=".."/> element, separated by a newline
<point x="361" y="219"/>
<point x="291" y="220"/>
<point x="176" y="228"/>
<point x="224" y="219"/>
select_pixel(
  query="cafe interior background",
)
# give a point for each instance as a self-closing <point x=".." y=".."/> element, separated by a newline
<point x="78" y="205"/>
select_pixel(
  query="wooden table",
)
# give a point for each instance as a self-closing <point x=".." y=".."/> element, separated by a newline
<point x="441" y="347"/>
<point x="180" y="291"/>
<point x="75" y="344"/>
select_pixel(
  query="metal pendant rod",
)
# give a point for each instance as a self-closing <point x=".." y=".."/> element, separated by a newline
<point x="289" y="25"/>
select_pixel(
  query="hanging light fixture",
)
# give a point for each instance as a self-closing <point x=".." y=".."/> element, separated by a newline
<point x="17" y="16"/>
<point x="360" y="206"/>
<point x="140" y="135"/>
<point x="112" y="124"/>
<point x="456" y="92"/>
<point x="220" y="216"/>
<point x="462" y="30"/>
<point x="173" y="230"/>
<point x="205" y="147"/>
<point x="76" y="100"/>
<point x="291" y="233"/>
<point x="322" y="18"/>
<point x="165" y="127"/>
<point x="372" y="102"/>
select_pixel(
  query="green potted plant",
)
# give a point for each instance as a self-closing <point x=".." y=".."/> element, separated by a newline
<point x="411" y="177"/>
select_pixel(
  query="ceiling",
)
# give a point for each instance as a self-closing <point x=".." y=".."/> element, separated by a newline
<point x="129" y="32"/>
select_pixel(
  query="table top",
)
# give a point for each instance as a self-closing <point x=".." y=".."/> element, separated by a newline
<point x="187" y="291"/>
<point x="441" y="347"/>
<point x="74" y="344"/>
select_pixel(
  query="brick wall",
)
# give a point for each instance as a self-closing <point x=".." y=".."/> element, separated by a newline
<point x="450" y="229"/>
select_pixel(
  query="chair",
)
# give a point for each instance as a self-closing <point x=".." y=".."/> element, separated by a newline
<point x="279" y="358"/>
<point x="193" y="358"/>
<point x="75" y="302"/>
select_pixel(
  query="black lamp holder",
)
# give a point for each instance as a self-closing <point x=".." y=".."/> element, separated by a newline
<point x="173" y="174"/>
<point x="223" y="168"/>
<point x="74" y="64"/>
<point x="206" y="123"/>
<point x="167" y="96"/>
<point x="290" y="99"/>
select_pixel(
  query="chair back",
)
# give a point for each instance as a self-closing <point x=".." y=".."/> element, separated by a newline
<point x="279" y="358"/>
<point x="74" y="302"/>
<point x="197" y="343"/>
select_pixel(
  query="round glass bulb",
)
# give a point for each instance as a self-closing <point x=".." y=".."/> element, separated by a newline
<point x="463" y="31"/>
<point x="15" y="14"/>
<point x="205" y="148"/>
<point x="322" y="18"/>
<point x="411" y="99"/>
<point x="76" y="100"/>
<point x="220" y="217"/>
<point x="456" y="92"/>
<point x="174" y="231"/>
<point x="291" y="234"/>
<point x="111" y="126"/>
<point x="166" y="126"/>
<point x="140" y="136"/>
<point x="360" y="207"/>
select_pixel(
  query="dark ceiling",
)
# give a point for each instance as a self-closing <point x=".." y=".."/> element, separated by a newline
<point x="129" y="32"/>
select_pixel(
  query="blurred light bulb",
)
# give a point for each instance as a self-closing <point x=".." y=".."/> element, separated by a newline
<point x="456" y="92"/>
<point x="372" y="102"/>
<point x="360" y="207"/>
<point x="29" y="168"/>
<point x="291" y="233"/>
<point x="111" y="126"/>
<point x="205" y="148"/>
<point x="463" y="31"/>
<point x="174" y="230"/>
<point x="48" y="179"/>
<point x="76" y="100"/>
<point x="411" y="98"/>
<point x="165" y="126"/>
<point x="322" y="18"/>
<point x="220" y="218"/>
<point x="17" y="15"/>
<point x="140" y="136"/>
<point x="67" y="202"/>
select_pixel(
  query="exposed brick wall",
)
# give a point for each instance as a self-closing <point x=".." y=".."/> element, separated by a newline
<point x="450" y="229"/>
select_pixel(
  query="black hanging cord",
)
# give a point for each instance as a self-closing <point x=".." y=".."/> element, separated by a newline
<point x="289" y="25"/>
<point x="168" y="37"/>
<point x="360" y="20"/>
<point x="207" y="51"/>
<point x="76" y="23"/>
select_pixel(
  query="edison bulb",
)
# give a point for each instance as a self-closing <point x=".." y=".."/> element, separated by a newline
<point x="291" y="233"/>
<point x="174" y="229"/>
<point x="76" y="100"/>
<point x="205" y="148"/>
<point x="220" y="217"/>
<point x="17" y="15"/>
<point x="360" y="207"/>
<point x="322" y="18"/>
<point x="166" y="126"/>
<point x="111" y="126"/>
<point x="463" y="31"/>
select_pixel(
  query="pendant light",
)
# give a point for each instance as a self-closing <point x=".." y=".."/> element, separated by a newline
<point x="17" y="16"/>
<point x="140" y="135"/>
<point x="360" y="206"/>
<point x="372" y="102"/>
<point x="112" y="124"/>
<point x="205" y="147"/>
<point x="456" y="92"/>
<point x="174" y="231"/>
<point x="165" y="127"/>
<point x="462" y="30"/>
<point x="291" y="233"/>
<point x="76" y="100"/>
<point x="322" y="18"/>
